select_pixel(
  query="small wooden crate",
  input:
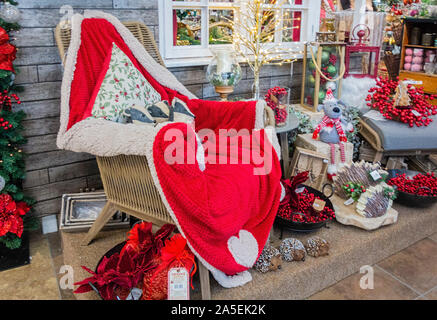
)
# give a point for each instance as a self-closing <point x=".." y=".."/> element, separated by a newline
<point x="314" y="162"/>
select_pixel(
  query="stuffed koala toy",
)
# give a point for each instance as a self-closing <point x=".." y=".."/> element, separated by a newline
<point x="269" y="260"/>
<point x="332" y="129"/>
<point x="333" y="112"/>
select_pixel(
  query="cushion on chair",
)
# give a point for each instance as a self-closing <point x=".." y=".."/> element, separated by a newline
<point x="120" y="86"/>
<point x="397" y="136"/>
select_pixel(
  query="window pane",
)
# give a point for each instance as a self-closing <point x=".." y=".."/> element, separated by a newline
<point x="292" y="25"/>
<point x="187" y="27"/>
<point x="220" y="27"/>
<point x="268" y="26"/>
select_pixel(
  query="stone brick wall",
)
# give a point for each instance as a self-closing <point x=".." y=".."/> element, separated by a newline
<point x="52" y="172"/>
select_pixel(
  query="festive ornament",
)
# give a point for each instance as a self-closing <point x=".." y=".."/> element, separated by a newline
<point x="317" y="247"/>
<point x="11" y="214"/>
<point x="417" y="114"/>
<point x="10" y="13"/>
<point x="332" y="70"/>
<point x="269" y="260"/>
<point x="322" y="95"/>
<point x="292" y="250"/>
<point x="325" y="56"/>
<point x="273" y="99"/>
<point x="2" y="183"/>
<point x="354" y="190"/>
<point x="7" y="52"/>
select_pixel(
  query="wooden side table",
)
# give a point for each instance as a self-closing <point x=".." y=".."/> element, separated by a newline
<point x="290" y="128"/>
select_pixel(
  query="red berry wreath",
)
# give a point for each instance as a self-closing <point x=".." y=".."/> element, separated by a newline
<point x="419" y="111"/>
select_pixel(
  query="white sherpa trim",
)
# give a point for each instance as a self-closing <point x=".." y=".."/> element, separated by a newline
<point x="229" y="281"/>
<point x="244" y="248"/>
<point x="224" y="280"/>
<point x="273" y="137"/>
<point x="102" y="137"/>
<point x="259" y="118"/>
<point x="69" y="68"/>
<point x="200" y="154"/>
<point x="283" y="192"/>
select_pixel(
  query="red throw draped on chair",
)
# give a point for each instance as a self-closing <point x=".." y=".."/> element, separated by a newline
<point x="225" y="211"/>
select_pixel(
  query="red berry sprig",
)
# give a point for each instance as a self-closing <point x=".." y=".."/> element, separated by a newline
<point x="417" y="114"/>
<point x="6" y="100"/>
<point x="421" y="184"/>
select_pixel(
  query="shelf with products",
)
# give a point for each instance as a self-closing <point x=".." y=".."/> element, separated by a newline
<point x="415" y="55"/>
<point x="420" y="46"/>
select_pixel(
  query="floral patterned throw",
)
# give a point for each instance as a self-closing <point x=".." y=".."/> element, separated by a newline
<point x="122" y="87"/>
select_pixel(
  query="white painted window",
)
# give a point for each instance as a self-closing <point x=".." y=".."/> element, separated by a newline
<point x="190" y="29"/>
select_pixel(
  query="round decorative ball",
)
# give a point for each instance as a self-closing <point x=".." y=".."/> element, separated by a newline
<point x="332" y="70"/>
<point x="311" y="81"/>
<point x="322" y="95"/>
<point x="10" y="13"/>
<point x="325" y="56"/>
<point x="311" y="66"/>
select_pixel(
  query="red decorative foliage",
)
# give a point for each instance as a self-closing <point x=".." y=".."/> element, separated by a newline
<point x="421" y="184"/>
<point x="7" y="52"/>
<point x="418" y="113"/>
<point x="298" y="207"/>
<point x="277" y="93"/>
<point x="126" y="270"/>
<point x="11" y="214"/>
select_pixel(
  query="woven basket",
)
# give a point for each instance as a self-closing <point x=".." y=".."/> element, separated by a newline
<point x="397" y="33"/>
<point x="392" y="62"/>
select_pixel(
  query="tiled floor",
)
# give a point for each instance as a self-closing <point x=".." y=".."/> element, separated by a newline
<point x="409" y="274"/>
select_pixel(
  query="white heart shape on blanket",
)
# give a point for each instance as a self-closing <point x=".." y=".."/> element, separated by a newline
<point x="244" y="249"/>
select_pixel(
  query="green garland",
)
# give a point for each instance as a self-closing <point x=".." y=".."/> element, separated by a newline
<point x="12" y="162"/>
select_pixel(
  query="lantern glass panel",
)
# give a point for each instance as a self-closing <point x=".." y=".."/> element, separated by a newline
<point x="323" y="65"/>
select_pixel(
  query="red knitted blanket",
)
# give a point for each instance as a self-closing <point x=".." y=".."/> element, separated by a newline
<point x="225" y="211"/>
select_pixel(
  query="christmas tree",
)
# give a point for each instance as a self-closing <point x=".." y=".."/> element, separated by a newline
<point x="14" y="205"/>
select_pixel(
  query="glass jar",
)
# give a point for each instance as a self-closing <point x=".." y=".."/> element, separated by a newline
<point x="224" y="69"/>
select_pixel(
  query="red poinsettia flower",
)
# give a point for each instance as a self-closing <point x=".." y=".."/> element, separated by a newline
<point x="127" y="268"/>
<point x="7" y="52"/>
<point x="11" y="213"/>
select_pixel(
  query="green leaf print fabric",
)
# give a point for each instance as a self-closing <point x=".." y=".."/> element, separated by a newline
<point x="123" y="86"/>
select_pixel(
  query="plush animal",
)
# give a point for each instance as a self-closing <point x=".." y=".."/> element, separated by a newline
<point x="181" y="111"/>
<point x="332" y="129"/>
<point x="292" y="250"/>
<point x="317" y="247"/>
<point x="138" y="115"/>
<point x="269" y="260"/>
<point x="161" y="111"/>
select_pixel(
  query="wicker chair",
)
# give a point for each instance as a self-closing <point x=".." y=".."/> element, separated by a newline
<point x="127" y="180"/>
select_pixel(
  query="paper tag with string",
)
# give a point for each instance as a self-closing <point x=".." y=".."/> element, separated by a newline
<point x="178" y="284"/>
